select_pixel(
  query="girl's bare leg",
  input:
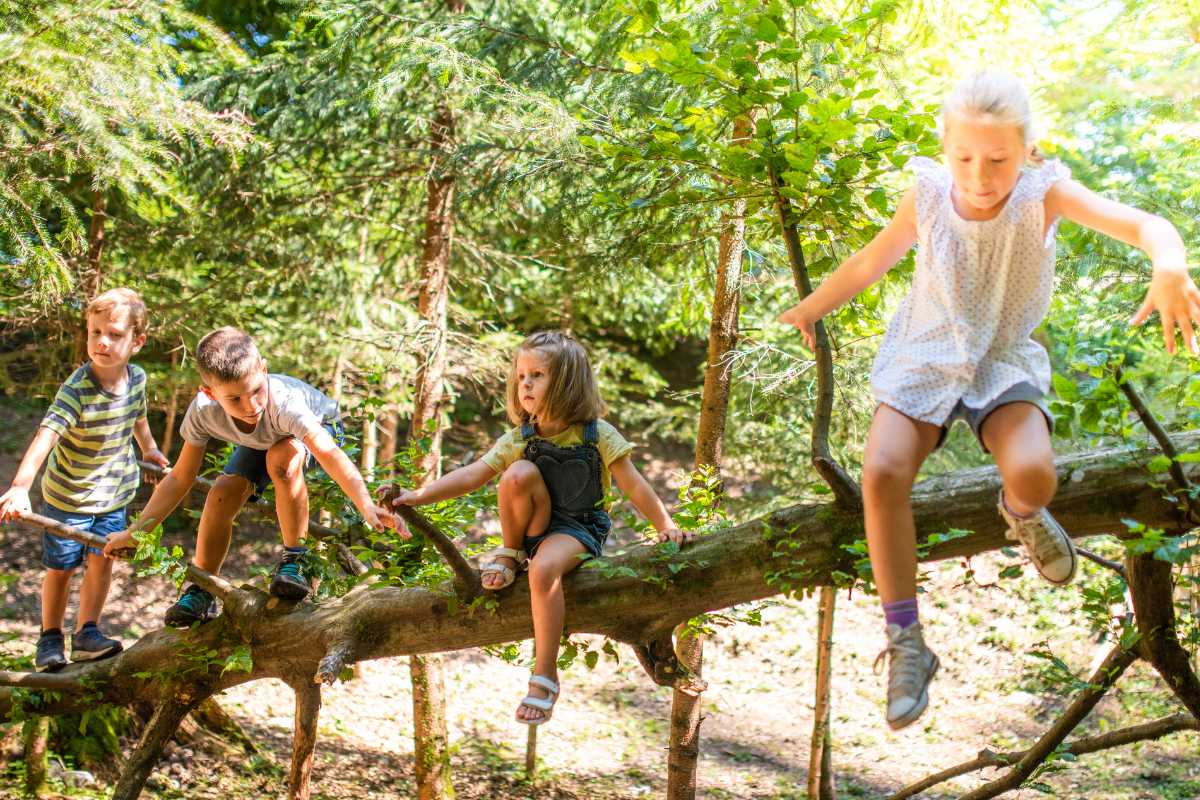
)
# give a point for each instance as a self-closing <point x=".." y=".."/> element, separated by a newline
<point x="557" y="555"/>
<point x="1019" y="439"/>
<point x="524" y="510"/>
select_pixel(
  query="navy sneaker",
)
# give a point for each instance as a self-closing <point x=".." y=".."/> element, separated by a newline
<point x="50" y="656"/>
<point x="288" y="581"/>
<point x="194" y="605"/>
<point x="89" y="644"/>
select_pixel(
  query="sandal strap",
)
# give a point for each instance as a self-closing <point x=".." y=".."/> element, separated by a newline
<point x="540" y="703"/>
<point x="545" y="683"/>
<point x="508" y="552"/>
<point x="502" y="569"/>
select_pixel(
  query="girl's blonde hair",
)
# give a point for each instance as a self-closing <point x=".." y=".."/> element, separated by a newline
<point x="997" y="98"/>
<point x="573" y="395"/>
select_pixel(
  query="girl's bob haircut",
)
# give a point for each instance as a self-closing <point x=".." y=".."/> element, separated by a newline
<point x="573" y="396"/>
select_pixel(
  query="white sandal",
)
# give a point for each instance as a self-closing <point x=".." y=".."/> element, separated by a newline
<point x="543" y="704"/>
<point x="507" y="573"/>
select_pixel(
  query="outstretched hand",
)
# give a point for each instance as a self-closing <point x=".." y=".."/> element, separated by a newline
<point x="796" y="317"/>
<point x="378" y="518"/>
<point x="1177" y="300"/>
<point x="675" y="535"/>
<point x="154" y="456"/>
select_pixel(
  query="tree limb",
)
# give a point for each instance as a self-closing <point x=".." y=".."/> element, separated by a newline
<point x="467" y="580"/>
<point x="846" y="491"/>
<point x="1102" y="680"/>
<point x="1091" y="744"/>
<point x="1161" y="436"/>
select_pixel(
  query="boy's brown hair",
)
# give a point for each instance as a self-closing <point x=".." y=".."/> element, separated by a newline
<point x="573" y="396"/>
<point x="225" y="355"/>
<point x="108" y="302"/>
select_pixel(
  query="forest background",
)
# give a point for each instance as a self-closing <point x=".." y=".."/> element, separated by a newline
<point x="274" y="166"/>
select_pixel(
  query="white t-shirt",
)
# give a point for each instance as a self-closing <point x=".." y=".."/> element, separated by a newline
<point x="294" y="409"/>
<point x="980" y="289"/>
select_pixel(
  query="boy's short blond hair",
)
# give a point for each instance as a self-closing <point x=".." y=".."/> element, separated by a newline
<point x="225" y="355"/>
<point x="128" y="299"/>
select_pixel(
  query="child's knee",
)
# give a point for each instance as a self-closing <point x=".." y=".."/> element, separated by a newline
<point x="1035" y="480"/>
<point x="883" y="473"/>
<point x="285" y="460"/>
<point x="543" y="573"/>
<point x="522" y="477"/>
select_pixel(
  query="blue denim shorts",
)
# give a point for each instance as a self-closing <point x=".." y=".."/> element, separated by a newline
<point x="60" y="553"/>
<point x="589" y="529"/>
<point x="251" y="464"/>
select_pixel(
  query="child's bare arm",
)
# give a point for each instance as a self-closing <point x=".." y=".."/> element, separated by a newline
<point x="858" y="271"/>
<point x="16" y="499"/>
<point x="339" y="466"/>
<point x="149" y="448"/>
<point x="167" y="495"/>
<point x="648" y="504"/>
<point x="455" y="483"/>
<point x="1172" y="292"/>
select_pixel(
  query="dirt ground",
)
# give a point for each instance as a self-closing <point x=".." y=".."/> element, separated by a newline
<point x="609" y="732"/>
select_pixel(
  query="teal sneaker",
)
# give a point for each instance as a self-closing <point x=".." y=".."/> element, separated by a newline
<point x="288" y="582"/>
<point x="194" y="605"/>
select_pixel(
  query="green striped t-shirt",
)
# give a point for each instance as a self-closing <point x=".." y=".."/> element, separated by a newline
<point x="92" y="469"/>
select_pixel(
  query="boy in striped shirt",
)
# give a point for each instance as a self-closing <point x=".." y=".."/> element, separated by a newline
<point x="91" y="474"/>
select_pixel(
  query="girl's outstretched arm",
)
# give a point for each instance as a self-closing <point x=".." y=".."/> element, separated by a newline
<point x="1172" y="293"/>
<point x="648" y="504"/>
<point x="858" y="271"/>
<point x="463" y="480"/>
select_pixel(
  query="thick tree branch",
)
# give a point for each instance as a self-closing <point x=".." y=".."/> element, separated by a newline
<point x="1091" y="744"/>
<point x="1104" y="562"/>
<point x="1151" y="588"/>
<point x="790" y="549"/>
<point x="53" y="681"/>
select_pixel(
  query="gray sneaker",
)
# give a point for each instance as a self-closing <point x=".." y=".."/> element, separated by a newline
<point x="1045" y="542"/>
<point x="911" y="666"/>
<point x="89" y="644"/>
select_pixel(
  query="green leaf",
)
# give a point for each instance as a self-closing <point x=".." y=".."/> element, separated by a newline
<point x="1064" y="388"/>
<point x="1159" y="464"/>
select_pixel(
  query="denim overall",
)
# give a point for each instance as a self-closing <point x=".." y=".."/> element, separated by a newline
<point x="572" y="477"/>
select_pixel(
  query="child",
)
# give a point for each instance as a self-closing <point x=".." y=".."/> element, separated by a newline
<point x="959" y="346"/>
<point x="556" y="469"/>
<point x="92" y="473"/>
<point x="277" y="423"/>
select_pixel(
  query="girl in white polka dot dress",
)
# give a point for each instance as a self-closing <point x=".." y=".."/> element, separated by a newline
<point x="959" y="346"/>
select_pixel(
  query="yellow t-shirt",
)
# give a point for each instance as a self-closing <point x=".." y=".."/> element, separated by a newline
<point x="612" y="445"/>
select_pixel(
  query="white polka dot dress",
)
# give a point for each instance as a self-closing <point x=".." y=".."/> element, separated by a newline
<point x="980" y="289"/>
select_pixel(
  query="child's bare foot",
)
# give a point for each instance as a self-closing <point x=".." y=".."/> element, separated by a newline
<point x="538" y="705"/>
<point x="499" y="568"/>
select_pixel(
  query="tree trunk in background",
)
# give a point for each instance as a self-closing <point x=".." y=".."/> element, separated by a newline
<point x="36" y="734"/>
<point x="90" y="277"/>
<point x="168" y="434"/>
<point x="389" y="429"/>
<point x="820" y="762"/>
<point x="684" y="749"/>
<point x="430" y="736"/>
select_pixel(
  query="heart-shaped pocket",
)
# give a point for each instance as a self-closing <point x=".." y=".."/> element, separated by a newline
<point x="567" y="480"/>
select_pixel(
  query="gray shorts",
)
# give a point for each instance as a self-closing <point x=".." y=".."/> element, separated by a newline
<point x="974" y="417"/>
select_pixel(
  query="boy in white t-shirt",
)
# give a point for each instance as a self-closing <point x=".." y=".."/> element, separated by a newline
<point x="279" y="425"/>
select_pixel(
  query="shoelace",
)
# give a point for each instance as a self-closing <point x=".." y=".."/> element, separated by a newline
<point x="1034" y="534"/>
<point x="904" y="669"/>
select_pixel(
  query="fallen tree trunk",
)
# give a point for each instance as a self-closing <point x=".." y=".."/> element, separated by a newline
<point x="789" y="550"/>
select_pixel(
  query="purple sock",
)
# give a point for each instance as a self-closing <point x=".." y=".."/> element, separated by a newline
<point x="901" y="612"/>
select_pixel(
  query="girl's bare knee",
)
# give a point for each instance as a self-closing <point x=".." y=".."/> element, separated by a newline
<point x="1034" y="481"/>
<point x="885" y="475"/>
<point x="522" y="476"/>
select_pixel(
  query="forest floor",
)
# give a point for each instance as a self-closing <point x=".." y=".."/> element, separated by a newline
<point x="609" y="732"/>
